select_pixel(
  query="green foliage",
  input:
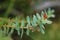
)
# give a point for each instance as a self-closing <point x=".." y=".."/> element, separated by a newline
<point x="26" y="8"/>
<point x="3" y="35"/>
<point x="37" y="20"/>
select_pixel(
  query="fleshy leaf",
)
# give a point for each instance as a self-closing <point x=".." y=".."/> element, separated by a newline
<point x="28" y="20"/>
<point x="4" y="30"/>
<point x="28" y="31"/>
<point x="12" y="30"/>
<point x="34" y="21"/>
<point x="17" y="26"/>
<point x="50" y="12"/>
<point x="38" y="16"/>
<point x="22" y="25"/>
<point x="42" y="29"/>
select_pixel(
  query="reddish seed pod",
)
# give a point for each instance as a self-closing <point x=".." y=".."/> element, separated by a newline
<point x="45" y="16"/>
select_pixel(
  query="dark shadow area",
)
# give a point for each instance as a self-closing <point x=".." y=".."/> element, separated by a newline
<point x="15" y="36"/>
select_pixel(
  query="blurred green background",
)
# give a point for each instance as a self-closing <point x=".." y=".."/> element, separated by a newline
<point x="22" y="8"/>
